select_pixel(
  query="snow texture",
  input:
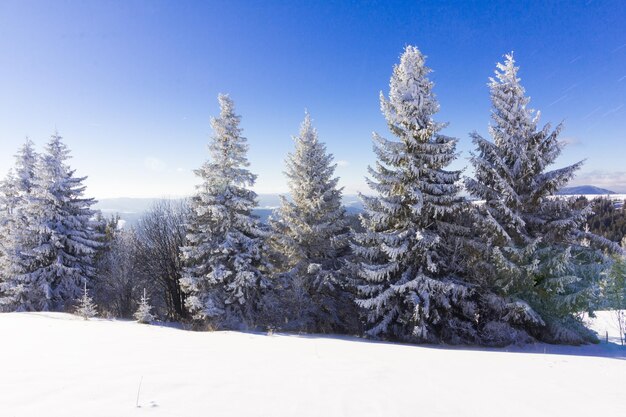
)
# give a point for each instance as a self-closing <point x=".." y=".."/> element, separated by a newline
<point x="94" y="368"/>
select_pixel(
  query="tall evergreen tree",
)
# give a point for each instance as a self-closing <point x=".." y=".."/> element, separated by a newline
<point x="16" y="232"/>
<point x="224" y="279"/>
<point x="531" y="246"/>
<point x="406" y="286"/>
<point x="61" y="259"/>
<point x="310" y="233"/>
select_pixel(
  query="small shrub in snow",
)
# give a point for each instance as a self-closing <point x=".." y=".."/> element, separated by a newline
<point x="143" y="314"/>
<point x="86" y="308"/>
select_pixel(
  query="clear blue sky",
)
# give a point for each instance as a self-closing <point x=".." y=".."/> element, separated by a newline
<point x="131" y="85"/>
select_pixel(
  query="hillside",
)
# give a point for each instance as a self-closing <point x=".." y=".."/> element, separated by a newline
<point x="584" y="190"/>
<point x="58" y="365"/>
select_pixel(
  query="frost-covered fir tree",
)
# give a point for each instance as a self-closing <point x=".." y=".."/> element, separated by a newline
<point x="531" y="246"/>
<point x="16" y="232"/>
<point x="143" y="314"/>
<point x="310" y="236"/>
<point x="65" y="240"/>
<point x="225" y="255"/>
<point x="406" y="286"/>
<point x="86" y="307"/>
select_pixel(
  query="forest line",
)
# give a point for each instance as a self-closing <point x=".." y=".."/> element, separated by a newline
<point x="424" y="265"/>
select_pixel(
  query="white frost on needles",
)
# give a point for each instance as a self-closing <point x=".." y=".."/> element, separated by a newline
<point x="86" y="307"/>
<point x="143" y="313"/>
<point x="225" y="253"/>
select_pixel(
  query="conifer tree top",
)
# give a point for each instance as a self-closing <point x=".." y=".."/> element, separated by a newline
<point x="25" y="162"/>
<point x="310" y="167"/>
<point x="510" y="113"/>
<point x="228" y="146"/>
<point x="228" y="150"/>
<point x="412" y="102"/>
<point x="56" y="149"/>
<point x="307" y="132"/>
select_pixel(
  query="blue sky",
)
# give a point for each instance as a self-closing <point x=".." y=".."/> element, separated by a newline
<point x="131" y="85"/>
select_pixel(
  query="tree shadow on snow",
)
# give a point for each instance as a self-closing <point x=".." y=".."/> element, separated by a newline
<point x="601" y="350"/>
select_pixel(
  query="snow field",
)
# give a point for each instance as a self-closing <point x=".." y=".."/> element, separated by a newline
<point x="60" y="365"/>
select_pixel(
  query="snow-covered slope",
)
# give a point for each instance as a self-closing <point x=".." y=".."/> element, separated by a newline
<point x="58" y="365"/>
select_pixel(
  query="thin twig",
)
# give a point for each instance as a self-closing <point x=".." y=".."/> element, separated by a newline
<point x="138" y="390"/>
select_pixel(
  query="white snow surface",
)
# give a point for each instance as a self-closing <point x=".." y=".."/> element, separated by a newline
<point x="56" y="364"/>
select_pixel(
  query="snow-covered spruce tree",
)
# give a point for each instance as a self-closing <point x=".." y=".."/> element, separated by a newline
<point x="65" y="239"/>
<point x="311" y="235"/>
<point x="406" y="285"/>
<point x="531" y="248"/>
<point x="143" y="314"/>
<point x="16" y="232"/>
<point x="86" y="307"/>
<point x="225" y="254"/>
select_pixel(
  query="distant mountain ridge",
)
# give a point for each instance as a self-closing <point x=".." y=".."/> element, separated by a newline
<point x="131" y="209"/>
<point x="584" y="190"/>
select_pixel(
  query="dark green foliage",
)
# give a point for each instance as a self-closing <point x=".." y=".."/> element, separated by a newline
<point x="608" y="219"/>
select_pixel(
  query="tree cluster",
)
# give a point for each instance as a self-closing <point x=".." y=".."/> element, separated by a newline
<point x="145" y="256"/>
<point x="48" y="236"/>
<point x="422" y="264"/>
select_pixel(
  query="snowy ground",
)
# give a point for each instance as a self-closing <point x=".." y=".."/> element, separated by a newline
<point x="58" y="365"/>
<point x="606" y="324"/>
